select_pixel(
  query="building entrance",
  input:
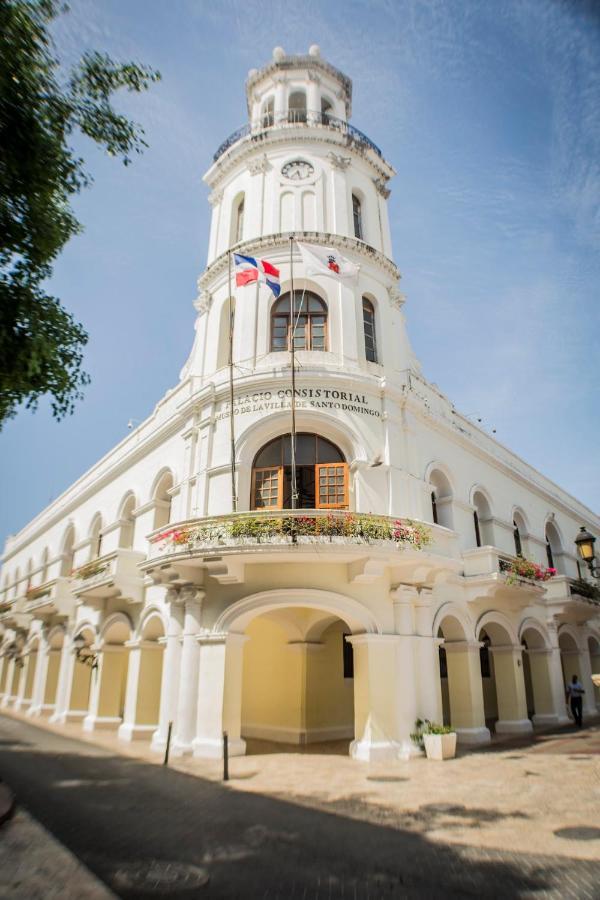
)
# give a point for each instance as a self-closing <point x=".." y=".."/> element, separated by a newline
<point x="298" y="682"/>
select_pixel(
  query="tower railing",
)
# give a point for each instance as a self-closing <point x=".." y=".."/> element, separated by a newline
<point x="295" y="117"/>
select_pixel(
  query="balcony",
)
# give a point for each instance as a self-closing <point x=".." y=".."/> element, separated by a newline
<point x="12" y="614"/>
<point x="490" y="573"/>
<point x="115" y="574"/>
<point x="222" y="545"/>
<point x="572" y="600"/>
<point x="54" y="598"/>
<point x="292" y="118"/>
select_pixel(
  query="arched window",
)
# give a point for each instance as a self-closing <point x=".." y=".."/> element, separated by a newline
<point x="239" y="221"/>
<point x="554" y="548"/>
<point x="44" y="566"/>
<point x="477" y="529"/>
<point x="162" y="501"/>
<point x="482" y="520"/>
<point x="297" y="107"/>
<point x="326" y="110"/>
<point x="310" y="322"/>
<point x="369" y="330"/>
<point x="357" y="217"/>
<point x="66" y="565"/>
<point x="268" y="113"/>
<point x="441" y="499"/>
<point x="321" y="474"/>
<point x="96" y="538"/>
<point x="127" y="526"/>
<point x="517" y="538"/>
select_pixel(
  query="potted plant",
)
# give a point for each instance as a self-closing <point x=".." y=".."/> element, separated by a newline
<point x="438" y="741"/>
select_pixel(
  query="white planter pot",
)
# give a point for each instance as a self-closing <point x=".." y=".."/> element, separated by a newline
<point x="440" y="746"/>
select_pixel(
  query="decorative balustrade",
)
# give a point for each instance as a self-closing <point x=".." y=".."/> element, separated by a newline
<point x="490" y="561"/>
<point x="289" y="527"/>
<point x="299" y="117"/>
<point x="51" y="598"/>
<point x="114" y="574"/>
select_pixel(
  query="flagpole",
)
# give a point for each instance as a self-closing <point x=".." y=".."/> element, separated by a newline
<point x="231" y="422"/>
<point x="293" y="358"/>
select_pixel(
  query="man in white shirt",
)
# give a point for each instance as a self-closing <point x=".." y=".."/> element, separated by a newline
<point x="575" y="692"/>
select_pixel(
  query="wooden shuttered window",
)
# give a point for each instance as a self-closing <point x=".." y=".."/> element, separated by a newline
<point x="267" y="488"/>
<point x="331" y="486"/>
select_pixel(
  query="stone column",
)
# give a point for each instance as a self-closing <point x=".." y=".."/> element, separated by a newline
<point x="127" y="726"/>
<point x="21" y="701"/>
<point x="280" y="100"/>
<point x="510" y="690"/>
<point x="170" y="675"/>
<point x="467" y="714"/>
<point x="187" y="698"/>
<point x="557" y="681"/>
<point x="384" y="697"/>
<point x="429" y="688"/>
<point x="10" y="678"/>
<point x="65" y="679"/>
<point x="219" y="695"/>
<point x="3" y="675"/>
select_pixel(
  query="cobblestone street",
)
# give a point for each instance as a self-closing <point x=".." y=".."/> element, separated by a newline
<point x="318" y="824"/>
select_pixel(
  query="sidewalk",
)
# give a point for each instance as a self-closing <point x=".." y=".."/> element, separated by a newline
<point x="536" y="796"/>
<point x="33" y="865"/>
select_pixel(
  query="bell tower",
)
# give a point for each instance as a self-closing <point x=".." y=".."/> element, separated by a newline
<point x="299" y="168"/>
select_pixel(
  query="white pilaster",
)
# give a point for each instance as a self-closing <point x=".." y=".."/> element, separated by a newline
<point x="185" y="721"/>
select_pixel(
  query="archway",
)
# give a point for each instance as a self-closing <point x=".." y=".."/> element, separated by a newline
<point x="537" y="674"/>
<point x="298" y="679"/>
<point x="107" y="704"/>
<point x="82" y="674"/>
<point x="569" y="656"/>
<point x="504" y="695"/>
<point x="52" y="663"/>
<point x="460" y="679"/>
<point x="31" y="664"/>
<point x="142" y="704"/>
<point x="594" y="651"/>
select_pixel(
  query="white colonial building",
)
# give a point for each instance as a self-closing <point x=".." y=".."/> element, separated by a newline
<point x="142" y="596"/>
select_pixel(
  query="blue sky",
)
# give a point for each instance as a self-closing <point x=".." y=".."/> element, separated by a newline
<point x="490" y="113"/>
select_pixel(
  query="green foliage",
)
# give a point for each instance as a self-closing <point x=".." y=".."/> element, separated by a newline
<point x="424" y="726"/>
<point x="41" y="346"/>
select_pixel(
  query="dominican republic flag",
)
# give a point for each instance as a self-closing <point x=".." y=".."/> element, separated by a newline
<point x="326" y="261"/>
<point x="248" y="269"/>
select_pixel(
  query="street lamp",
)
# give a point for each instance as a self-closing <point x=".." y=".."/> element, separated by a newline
<point x="585" y="546"/>
<point x="83" y="652"/>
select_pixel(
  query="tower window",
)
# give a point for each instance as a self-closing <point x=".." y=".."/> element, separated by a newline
<point x="549" y="554"/>
<point x="309" y="326"/>
<point x="268" y="113"/>
<point x="297" y="107"/>
<point x="357" y="217"/>
<point x="239" y="222"/>
<point x="369" y="330"/>
<point x="326" y="111"/>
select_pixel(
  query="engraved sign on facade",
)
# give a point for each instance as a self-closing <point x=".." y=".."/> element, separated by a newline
<point x="306" y="398"/>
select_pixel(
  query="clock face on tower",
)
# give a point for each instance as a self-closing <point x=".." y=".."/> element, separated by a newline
<point x="297" y="170"/>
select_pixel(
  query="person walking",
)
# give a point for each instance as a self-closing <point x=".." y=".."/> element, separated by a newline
<point x="575" y="692"/>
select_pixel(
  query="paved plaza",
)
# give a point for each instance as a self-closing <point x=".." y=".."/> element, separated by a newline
<point x="519" y="819"/>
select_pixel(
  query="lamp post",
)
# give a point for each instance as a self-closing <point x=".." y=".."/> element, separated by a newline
<point x="585" y="547"/>
<point x="83" y="652"/>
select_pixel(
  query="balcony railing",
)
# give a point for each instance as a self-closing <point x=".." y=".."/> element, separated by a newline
<point x="299" y="117"/>
<point x="114" y="574"/>
<point x="303" y="526"/>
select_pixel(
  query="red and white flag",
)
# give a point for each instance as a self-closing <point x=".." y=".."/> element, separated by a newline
<point x="326" y="261"/>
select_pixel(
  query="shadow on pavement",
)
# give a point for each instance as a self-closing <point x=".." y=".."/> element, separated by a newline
<point x="149" y="831"/>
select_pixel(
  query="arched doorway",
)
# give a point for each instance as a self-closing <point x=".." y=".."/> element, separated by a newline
<point x="321" y="474"/>
<point x="107" y="703"/>
<point x="594" y="651"/>
<point x="145" y="669"/>
<point x="504" y="695"/>
<point x="81" y="680"/>
<point x="537" y="676"/>
<point x="460" y="679"/>
<point x="297" y="680"/>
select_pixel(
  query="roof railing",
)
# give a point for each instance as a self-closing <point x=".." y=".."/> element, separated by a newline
<point x="300" y="116"/>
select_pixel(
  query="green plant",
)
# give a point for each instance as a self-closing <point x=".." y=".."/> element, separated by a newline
<point x="425" y="726"/>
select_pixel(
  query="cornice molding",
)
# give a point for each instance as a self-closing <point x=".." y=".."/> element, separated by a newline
<point x="296" y="134"/>
<point x="282" y="239"/>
